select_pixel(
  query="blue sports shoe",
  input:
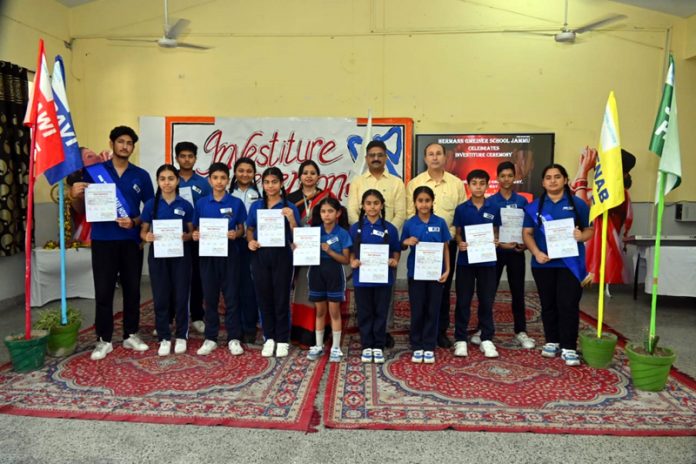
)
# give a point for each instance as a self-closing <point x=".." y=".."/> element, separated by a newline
<point x="335" y="355"/>
<point x="570" y="357"/>
<point x="417" y="356"/>
<point x="315" y="352"/>
<point x="550" y="350"/>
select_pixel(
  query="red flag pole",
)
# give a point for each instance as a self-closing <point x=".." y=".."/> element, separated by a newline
<point x="27" y="244"/>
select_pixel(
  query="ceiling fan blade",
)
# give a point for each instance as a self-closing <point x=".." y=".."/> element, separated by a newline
<point x="599" y="23"/>
<point x="123" y="39"/>
<point x="174" y="31"/>
<point x="194" y="46"/>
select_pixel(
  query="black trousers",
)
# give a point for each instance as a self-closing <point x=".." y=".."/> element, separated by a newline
<point x="444" y="318"/>
<point x="196" y="294"/>
<point x="424" y="297"/>
<point x="560" y="293"/>
<point x="219" y="274"/>
<point x="272" y="270"/>
<point x="247" y="296"/>
<point x="514" y="261"/>
<point x="372" y="305"/>
<point x="111" y="260"/>
<point x="480" y="279"/>
<point x="170" y="279"/>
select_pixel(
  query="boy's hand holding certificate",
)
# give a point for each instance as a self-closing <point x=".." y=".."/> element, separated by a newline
<point x="511" y="229"/>
<point x="480" y="243"/>
<point x="100" y="202"/>
<point x="213" y="237"/>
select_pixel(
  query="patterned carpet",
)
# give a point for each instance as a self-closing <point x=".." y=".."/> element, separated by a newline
<point x="518" y="392"/>
<point x="220" y="389"/>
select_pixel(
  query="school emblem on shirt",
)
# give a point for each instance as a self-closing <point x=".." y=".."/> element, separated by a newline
<point x="378" y="233"/>
<point x="433" y="228"/>
<point x="568" y="208"/>
<point x="488" y="216"/>
<point x="196" y="189"/>
<point x="179" y="212"/>
<point x="227" y="212"/>
<point x="332" y="240"/>
<point x="136" y="187"/>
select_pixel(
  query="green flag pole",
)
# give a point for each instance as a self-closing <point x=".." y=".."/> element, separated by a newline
<point x="656" y="263"/>
<point x="602" y="267"/>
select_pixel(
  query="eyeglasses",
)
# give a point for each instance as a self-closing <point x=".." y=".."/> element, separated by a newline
<point x="376" y="155"/>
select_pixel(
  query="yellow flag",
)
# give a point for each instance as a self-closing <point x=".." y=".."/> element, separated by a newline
<point x="608" y="187"/>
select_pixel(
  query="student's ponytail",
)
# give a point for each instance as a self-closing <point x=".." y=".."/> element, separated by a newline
<point x="158" y="195"/>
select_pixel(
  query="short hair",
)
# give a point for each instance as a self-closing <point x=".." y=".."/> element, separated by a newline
<point x="477" y="174"/>
<point x="506" y="165"/>
<point x="425" y="150"/>
<point x="186" y="146"/>
<point x="118" y="131"/>
<point x="215" y="167"/>
<point x="377" y="144"/>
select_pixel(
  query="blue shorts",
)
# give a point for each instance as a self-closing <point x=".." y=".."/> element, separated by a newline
<point x="327" y="281"/>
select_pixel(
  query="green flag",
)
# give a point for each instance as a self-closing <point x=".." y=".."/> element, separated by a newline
<point x="665" y="137"/>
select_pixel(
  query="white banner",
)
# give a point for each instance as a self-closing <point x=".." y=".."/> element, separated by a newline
<point x="333" y="143"/>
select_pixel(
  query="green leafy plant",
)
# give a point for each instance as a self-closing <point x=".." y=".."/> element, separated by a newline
<point x="49" y="318"/>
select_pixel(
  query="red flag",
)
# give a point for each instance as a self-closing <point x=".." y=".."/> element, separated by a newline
<point x="41" y="117"/>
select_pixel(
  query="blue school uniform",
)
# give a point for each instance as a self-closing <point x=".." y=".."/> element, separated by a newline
<point x="425" y="297"/>
<point x="468" y="214"/>
<point x="272" y="270"/>
<point x="221" y="273"/>
<point x="327" y="281"/>
<point x="200" y="187"/>
<point x="170" y="278"/>
<point x="372" y="300"/>
<point x="248" y="196"/>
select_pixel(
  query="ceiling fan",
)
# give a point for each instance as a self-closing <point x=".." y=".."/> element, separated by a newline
<point x="568" y="35"/>
<point x="171" y="34"/>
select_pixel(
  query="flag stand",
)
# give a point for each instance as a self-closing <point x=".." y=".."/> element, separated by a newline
<point x="602" y="267"/>
<point x="652" y="339"/>
<point x="63" y="290"/>
<point x="27" y="243"/>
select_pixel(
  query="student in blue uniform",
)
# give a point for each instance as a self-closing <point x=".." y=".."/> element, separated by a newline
<point x="511" y="255"/>
<point x="116" y="250"/>
<point x="272" y="266"/>
<point x="558" y="280"/>
<point x="479" y="277"/>
<point x="327" y="281"/>
<point x="243" y="186"/>
<point x="220" y="273"/>
<point x="425" y="295"/>
<point x="192" y="187"/>
<point x="169" y="277"/>
<point x="372" y="300"/>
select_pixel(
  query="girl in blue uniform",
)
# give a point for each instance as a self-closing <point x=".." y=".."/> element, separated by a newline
<point x="558" y="280"/>
<point x="327" y="281"/>
<point x="243" y="186"/>
<point x="425" y="295"/>
<point x="272" y="266"/>
<point x="169" y="277"/>
<point x="220" y="273"/>
<point x="372" y="300"/>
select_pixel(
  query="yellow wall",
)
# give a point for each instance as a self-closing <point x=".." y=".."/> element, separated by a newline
<point x="440" y="62"/>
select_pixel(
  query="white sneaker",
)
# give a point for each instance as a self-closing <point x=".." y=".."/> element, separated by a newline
<point x="268" y="348"/>
<point x="524" y="340"/>
<point x="460" y="349"/>
<point x="180" y="346"/>
<point x="235" y="347"/>
<point x="164" y="348"/>
<point x="488" y="349"/>
<point x="198" y="326"/>
<point x="101" y="350"/>
<point x="206" y="348"/>
<point x="378" y="356"/>
<point x="570" y="357"/>
<point x="476" y="338"/>
<point x="282" y="350"/>
<point x="417" y="357"/>
<point x="366" y="355"/>
<point x="134" y="343"/>
<point x="428" y="357"/>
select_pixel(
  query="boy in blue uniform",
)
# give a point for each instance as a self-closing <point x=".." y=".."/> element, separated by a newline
<point x="192" y="187"/>
<point x="478" y="276"/>
<point x="220" y="273"/>
<point x="116" y="250"/>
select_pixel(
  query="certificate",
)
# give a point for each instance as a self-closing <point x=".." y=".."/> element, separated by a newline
<point x="560" y="242"/>
<point x="480" y="243"/>
<point x="374" y="264"/>
<point x="100" y="202"/>
<point x="186" y="194"/>
<point x="307" y="246"/>
<point x="511" y="228"/>
<point x="428" y="261"/>
<point x="168" y="242"/>
<point x="271" y="227"/>
<point x="213" y="237"/>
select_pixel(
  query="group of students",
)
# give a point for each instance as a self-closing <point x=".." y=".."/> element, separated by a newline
<point x="181" y="284"/>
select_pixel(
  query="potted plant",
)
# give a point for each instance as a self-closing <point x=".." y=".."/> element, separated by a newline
<point x="62" y="338"/>
<point x="27" y="354"/>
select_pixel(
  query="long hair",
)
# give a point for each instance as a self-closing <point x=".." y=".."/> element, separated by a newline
<point x="158" y="195"/>
<point x="243" y="160"/>
<point x="428" y="191"/>
<point x="358" y="236"/>
<point x="566" y="192"/>
<point x="335" y="204"/>
<point x="278" y="174"/>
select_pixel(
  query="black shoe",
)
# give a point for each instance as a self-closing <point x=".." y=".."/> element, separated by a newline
<point x="443" y="341"/>
<point x="389" y="342"/>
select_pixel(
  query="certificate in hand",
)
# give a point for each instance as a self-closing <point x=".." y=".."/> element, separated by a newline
<point x="560" y="242"/>
<point x="307" y="246"/>
<point x="271" y="227"/>
<point x="186" y="194"/>
<point x="428" y="261"/>
<point x="168" y="242"/>
<point x="374" y="264"/>
<point x="100" y="202"/>
<point x="480" y="243"/>
<point x="213" y="240"/>
<point x="511" y="229"/>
